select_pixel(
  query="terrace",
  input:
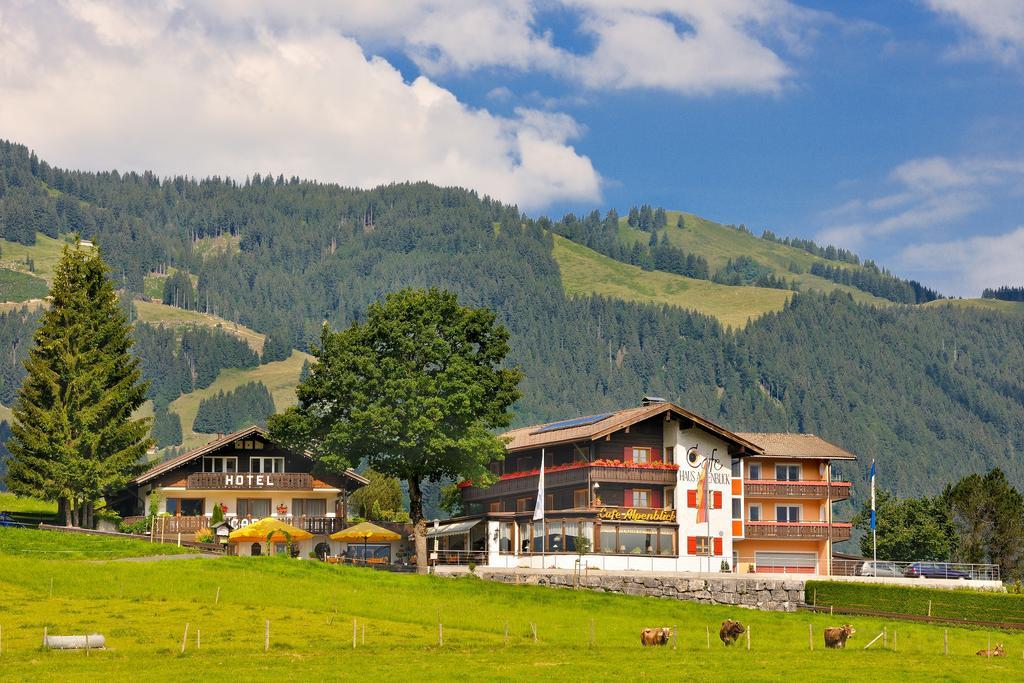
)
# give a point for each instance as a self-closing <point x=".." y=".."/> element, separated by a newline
<point x="575" y="474"/>
<point x="818" y="490"/>
<point x="815" y="531"/>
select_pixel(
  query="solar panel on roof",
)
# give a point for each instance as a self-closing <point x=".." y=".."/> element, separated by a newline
<point x="575" y="422"/>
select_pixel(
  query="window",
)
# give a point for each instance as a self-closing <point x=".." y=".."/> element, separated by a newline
<point x="522" y="504"/>
<point x="266" y="465"/>
<point x="641" y="455"/>
<point x="523" y="465"/>
<point x="754" y="470"/>
<point x="256" y="550"/>
<point x="505" y="535"/>
<point x="787" y="472"/>
<point x="641" y="498"/>
<point x="310" y="507"/>
<point x="670" y="455"/>
<point x="755" y="513"/>
<point x="737" y="467"/>
<point x="667" y="542"/>
<point x="608" y="544"/>
<point x="495" y="506"/>
<point x="549" y="501"/>
<point x="787" y="513"/>
<point x="220" y="464"/>
<point x="580" y="499"/>
<point x="670" y="497"/>
<point x="637" y="540"/>
<point x="524" y="537"/>
<point x="703" y="545"/>
<point x="737" y="508"/>
<point x="249" y="445"/>
<point x="258" y="508"/>
<point x="185" y="507"/>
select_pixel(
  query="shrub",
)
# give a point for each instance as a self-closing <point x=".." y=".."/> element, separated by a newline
<point x="205" y="535"/>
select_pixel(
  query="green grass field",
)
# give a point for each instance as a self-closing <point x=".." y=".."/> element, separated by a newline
<point x="18" y="286"/>
<point x="280" y="377"/>
<point x="142" y="609"/>
<point x="968" y="604"/>
<point x="585" y="271"/>
<point x="54" y="545"/>
<point x="1010" y="307"/>
<point x="27" y="510"/>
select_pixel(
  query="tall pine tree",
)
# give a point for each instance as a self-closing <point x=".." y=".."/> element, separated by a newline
<point x="73" y="438"/>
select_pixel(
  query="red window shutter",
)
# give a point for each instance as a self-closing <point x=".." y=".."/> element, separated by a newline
<point x="655" y="455"/>
<point x="718" y="546"/>
<point x="627" y="454"/>
<point x="655" y="498"/>
<point x="627" y="498"/>
<point x="691" y="545"/>
<point x="691" y="499"/>
<point x="716" y="500"/>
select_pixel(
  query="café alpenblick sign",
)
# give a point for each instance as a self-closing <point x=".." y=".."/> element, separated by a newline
<point x="611" y="514"/>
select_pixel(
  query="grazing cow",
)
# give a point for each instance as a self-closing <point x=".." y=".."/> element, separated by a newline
<point x="655" y="636"/>
<point x="997" y="651"/>
<point x="731" y="631"/>
<point x="836" y="636"/>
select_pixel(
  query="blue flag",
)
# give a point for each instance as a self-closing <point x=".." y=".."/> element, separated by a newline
<point x="872" y="476"/>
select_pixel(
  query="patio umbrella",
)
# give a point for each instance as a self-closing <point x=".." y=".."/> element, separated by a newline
<point x="366" y="532"/>
<point x="258" y="532"/>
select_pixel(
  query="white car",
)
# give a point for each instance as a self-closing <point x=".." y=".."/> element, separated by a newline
<point x="880" y="568"/>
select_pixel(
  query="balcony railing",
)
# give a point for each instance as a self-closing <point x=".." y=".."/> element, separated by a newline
<point x="765" y="488"/>
<point x="193" y="523"/>
<point x="286" y="481"/>
<point x="574" y="475"/>
<point x="798" y="530"/>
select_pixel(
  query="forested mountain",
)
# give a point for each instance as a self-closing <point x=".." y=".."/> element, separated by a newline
<point x="932" y="393"/>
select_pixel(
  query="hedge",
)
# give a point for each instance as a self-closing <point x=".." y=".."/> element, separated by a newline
<point x="945" y="604"/>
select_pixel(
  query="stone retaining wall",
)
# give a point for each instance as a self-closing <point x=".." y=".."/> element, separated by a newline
<point x="779" y="595"/>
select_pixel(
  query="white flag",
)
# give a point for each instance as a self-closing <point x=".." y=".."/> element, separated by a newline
<point x="538" y="510"/>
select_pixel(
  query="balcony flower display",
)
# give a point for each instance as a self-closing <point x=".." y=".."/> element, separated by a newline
<point x="577" y="465"/>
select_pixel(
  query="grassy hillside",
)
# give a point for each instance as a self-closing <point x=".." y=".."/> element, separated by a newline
<point x="45" y="253"/>
<point x="280" y="378"/>
<point x="142" y="609"/>
<point x="585" y="271"/>
<point x="155" y="312"/>
<point x="1010" y="307"/>
<point x="19" y="286"/>
<point x="718" y="243"/>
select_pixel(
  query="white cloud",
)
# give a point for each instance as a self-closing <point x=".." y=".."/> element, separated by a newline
<point x="996" y="26"/>
<point x="164" y="86"/>
<point x="969" y="265"/>
<point x="686" y="46"/>
<point x="928" y="194"/>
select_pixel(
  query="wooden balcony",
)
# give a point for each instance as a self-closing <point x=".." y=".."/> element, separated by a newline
<point x="575" y="476"/>
<point x="811" y="531"/>
<point x="243" y="481"/>
<point x="817" y="490"/>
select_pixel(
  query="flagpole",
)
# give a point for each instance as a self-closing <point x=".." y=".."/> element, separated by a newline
<point x="874" y="523"/>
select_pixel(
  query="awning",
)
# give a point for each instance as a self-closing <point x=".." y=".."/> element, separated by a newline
<point x="451" y="529"/>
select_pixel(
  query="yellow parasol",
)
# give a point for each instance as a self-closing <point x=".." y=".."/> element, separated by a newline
<point x="365" y="532"/>
<point x="279" y="531"/>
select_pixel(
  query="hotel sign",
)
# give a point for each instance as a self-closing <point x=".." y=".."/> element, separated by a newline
<point x="613" y="514"/>
<point x="288" y="481"/>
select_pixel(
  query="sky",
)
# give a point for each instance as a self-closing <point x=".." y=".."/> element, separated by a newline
<point x="891" y="127"/>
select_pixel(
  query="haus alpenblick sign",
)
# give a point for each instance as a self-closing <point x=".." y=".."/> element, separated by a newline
<point x="613" y="514"/>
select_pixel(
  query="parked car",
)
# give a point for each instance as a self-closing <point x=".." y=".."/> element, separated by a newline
<point x="872" y="568"/>
<point x="928" y="570"/>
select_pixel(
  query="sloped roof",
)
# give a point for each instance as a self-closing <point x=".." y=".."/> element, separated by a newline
<point x="535" y="436"/>
<point x="791" y="445"/>
<point x="216" y="444"/>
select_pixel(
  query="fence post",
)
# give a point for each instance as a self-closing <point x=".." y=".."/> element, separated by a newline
<point x="945" y="641"/>
<point x="217" y="598"/>
<point x="675" y="636"/>
<point x="591" y="633"/>
<point x="885" y="637"/>
<point x="440" y="634"/>
<point x="929" y="608"/>
<point x="707" y="630"/>
<point x="266" y="637"/>
<point x="810" y="637"/>
<point x="353" y="633"/>
<point x="199" y="639"/>
<point x="748" y="638"/>
<point x="184" y="637"/>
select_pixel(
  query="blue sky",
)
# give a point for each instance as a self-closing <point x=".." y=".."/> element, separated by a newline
<point x="893" y="128"/>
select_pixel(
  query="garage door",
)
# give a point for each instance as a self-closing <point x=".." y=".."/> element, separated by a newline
<point x="785" y="563"/>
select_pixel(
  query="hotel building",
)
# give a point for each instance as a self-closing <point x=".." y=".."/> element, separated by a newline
<point x="652" y="488"/>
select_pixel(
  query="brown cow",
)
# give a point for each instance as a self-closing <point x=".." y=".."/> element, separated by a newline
<point x="997" y="651"/>
<point x="731" y="631"/>
<point x="655" y="636"/>
<point x="836" y="636"/>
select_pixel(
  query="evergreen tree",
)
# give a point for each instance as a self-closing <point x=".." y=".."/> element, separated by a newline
<point x="166" y="428"/>
<point x="73" y="437"/>
<point x="226" y="412"/>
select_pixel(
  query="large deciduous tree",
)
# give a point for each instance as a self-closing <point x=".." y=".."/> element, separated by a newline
<point x="988" y="514"/>
<point x="416" y="391"/>
<point x="73" y="437"/>
<point x="909" y="529"/>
